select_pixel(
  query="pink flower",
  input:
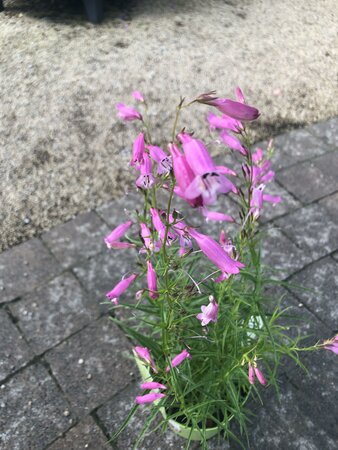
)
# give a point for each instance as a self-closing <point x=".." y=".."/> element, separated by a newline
<point x="332" y="344"/>
<point x="236" y="110"/>
<point x="127" y="113"/>
<point x="164" y="161"/>
<point x="146" y="180"/>
<point x="216" y="254"/>
<point x="181" y="230"/>
<point x="149" y="398"/>
<point x="225" y="122"/>
<point x="152" y="385"/>
<point x="253" y="370"/>
<point x="144" y="353"/>
<point x="183" y="174"/>
<point x="207" y="182"/>
<point x="227" y="244"/>
<point x="112" y="240"/>
<point x="121" y="286"/>
<point x="257" y="199"/>
<point x="216" y="216"/>
<point x="239" y="95"/>
<point x="152" y="281"/>
<point x="160" y="227"/>
<point x="138" y="96"/>
<point x="179" y="359"/>
<point x="209" y="313"/>
<point x="233" y="143"/>
<point x="138" y="151"/>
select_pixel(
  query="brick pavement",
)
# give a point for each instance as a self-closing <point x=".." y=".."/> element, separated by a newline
<point x="66" y="376"/>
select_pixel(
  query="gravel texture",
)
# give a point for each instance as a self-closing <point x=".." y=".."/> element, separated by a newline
<point x="61" y="147"/>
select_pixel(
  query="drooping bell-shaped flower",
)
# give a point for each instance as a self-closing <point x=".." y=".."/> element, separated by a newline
<point x="152" y="281"/>
<point x="146" y="180"/>
<point x="224" y="122"/>
<point x="138" y="96"/>
<point x="138" y="151"/>
<point x="144" y="353"/>
<point x="251" y="374"/>
<point x="127" y="113"/>
<point x="332" y="345"/>
<point x="254" y="371"/>
<point x="112" y="240"/>
<point x="152" y="385"/>
<point x="160" y="227"/>
<point x="233" y="143"/>
<point x="164" y="161"/>
<point x="147" y="239"/>
<point x="208" y="182"/>
<point x="236" y="110"/>
<point x="216" y="254"/>
<point x="260" y="376"/>
<point x="181" y="229"/>
<point x="209" y="313"/>
<point x="184" y="175"/>
<point x="149" y="398"/>
<point x="179" y="359"/>
<point x="121" y="286"/>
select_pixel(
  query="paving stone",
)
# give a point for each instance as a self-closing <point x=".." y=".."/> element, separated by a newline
<point x="122" y="209"/>
<point x="33" y="411"/>
<point x="115" y="411"/>
<point x="327" y="130"/>
<point x="281" y="254"/>
<point x="100" y="274"/>
<point x="54" y="311"/>
<point x="312" y="230"/>
<point x="14" y="352"/>
<point x="331" y="205"/>
<point x="92" y="365"/>
<point x="24" y="267"/>
<point x="77" y="239"/>
<point x="322" y="278"/>
<point x="288" y="203"/>
<point x="335" y="256"/>
<point x="296" y="146"/>
<point x="85" y="435"/>
<point x="311" y="180"/>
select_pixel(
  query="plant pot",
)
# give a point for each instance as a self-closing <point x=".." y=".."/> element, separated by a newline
<point x="181" y="430"/>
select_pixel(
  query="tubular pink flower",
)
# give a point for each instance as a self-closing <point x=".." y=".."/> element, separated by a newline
<point x="260" y="376"/>
<point x="226" y="171"/>
<point x="236" y="110"/>
<point x="272" y="198"/>
<point x="164" y="161"/>
<point x="152" y="385"/>
<point x="181" y="230"/>
<point x="144" y="353"/>
<point x="216" y="216"/>
<point x="138" y="96"/>
<point x="138" y="151"/>
<point x="251" y="374"/>
<point x="225" y="121"/>
<point x="152" y="281"/>
<point x="127" y="113"/>
<point x="160" y="227"/>
<point x="146" y="180"/>
<point x="227" y="244"/>
<point x="209" y="313"/>
<point x="216" y="254"/>
<point x="332" y="344"/>
<point x="179" y="359"/>
<point x="207" y="182"/>
<point x="256" y="202"/>
<point x="233" y="143"/>
<point x="149" y="398"/>
<point x="257" y="156"/>
<point x="121" y="286"/>
<point x="112" y="240"/>
<point x="239" y="95"/>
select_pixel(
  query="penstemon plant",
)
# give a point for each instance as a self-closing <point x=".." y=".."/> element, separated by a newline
<point x="207" y="332"/>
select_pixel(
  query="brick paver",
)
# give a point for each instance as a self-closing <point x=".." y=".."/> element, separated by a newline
<point x="66" y="376"/>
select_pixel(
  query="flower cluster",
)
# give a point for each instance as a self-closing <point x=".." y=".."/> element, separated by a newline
<point x="201" y="296"/>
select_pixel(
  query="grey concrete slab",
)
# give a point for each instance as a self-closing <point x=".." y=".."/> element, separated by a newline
<point x="296" y="146"/>
<point x="312" y="230"/>
<point x="54" y="311"/>
<point x="92" y="365"/>
<point x="86" y="435"/>
<point x="24" y="267"/>
<point x="288" y="203"/>
<point x="77" y="239"/>
<point x="122" y="209"/>
<point x="14" y="351"/>
<point x="327" y="130"/>
<point x="33" y="410"/>
<point x="115" y="411"/>
<point x="281" y="255"/>
<point x="313" y="179"/>
<point x="331" y="205"/>
<point x="322" y="278"/>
